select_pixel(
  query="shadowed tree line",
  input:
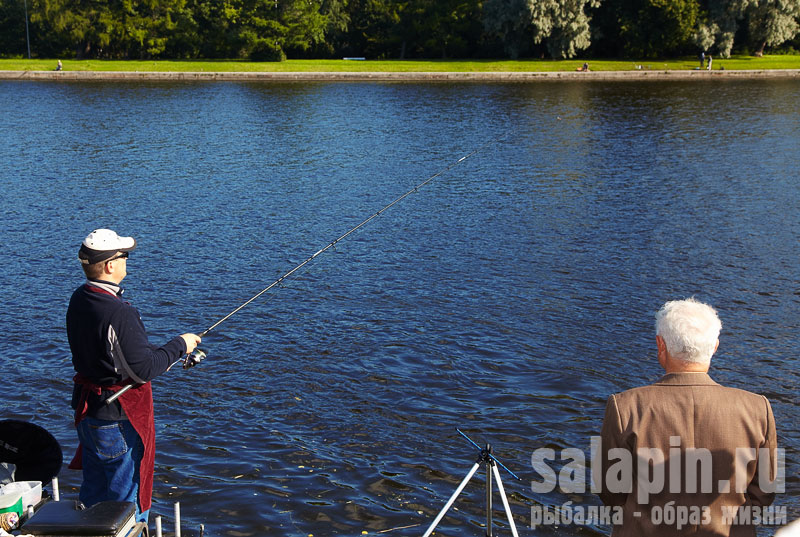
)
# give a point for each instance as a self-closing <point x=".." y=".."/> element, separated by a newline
<point x="395" y="29"/>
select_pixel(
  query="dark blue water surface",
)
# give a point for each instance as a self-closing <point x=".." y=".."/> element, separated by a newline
<point x="508" y="297"/>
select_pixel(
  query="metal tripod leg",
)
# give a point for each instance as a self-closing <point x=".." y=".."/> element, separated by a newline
<point x="505" y="500"/>
<point x="452" y="499"/>
<point x="463" y="484"/>
<point x="489" y="465"/>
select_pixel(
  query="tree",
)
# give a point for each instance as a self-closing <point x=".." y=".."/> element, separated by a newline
<point x="12" y="28"/>
<point x="660" y="27"/>
<point x="184" y="40"/>
<point x="434" y="28"/>
<point x="448" y="27"/>
<point x="88" y="25"/>
<point x="768" y="23"/>
<point x="103" y="28"/>
<point x="262" y="30"/>
<point x="371" y="30"/>
<point x="722" y="21"/>
<point x="562" y="25"/>
<point x="144" y="27"/>
<point x="646" y="28"/>
<point x="304" y="22"/>
<point x="509" y="20"/>
<point x="337" y="20"/>
<point x="773" y="22"/>
<point x="239" y="29"/>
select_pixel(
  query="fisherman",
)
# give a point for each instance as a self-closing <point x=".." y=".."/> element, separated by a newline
<point x="688" y="435"/>
<point x="110" y="350"/>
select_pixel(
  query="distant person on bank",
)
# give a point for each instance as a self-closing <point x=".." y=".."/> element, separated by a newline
<point x="686" y="413"/>
<point x="110" y="350"/>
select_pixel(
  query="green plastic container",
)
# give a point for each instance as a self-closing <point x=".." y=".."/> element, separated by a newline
<point x="11" y="501"/>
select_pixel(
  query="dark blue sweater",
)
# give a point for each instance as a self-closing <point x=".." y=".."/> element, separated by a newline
<point x="109" y="345"/>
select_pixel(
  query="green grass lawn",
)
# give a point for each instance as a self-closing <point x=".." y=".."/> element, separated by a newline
<point x="735" y="63"/>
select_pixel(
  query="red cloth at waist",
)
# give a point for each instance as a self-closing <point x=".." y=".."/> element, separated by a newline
<point x="137" y="403"/>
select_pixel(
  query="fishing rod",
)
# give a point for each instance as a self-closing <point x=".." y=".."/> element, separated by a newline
<point x="195" y="357"/>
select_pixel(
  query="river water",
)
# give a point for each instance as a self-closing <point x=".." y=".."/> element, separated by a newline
<point x="507" y="298"/>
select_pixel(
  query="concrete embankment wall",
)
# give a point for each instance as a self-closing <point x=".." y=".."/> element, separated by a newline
<point x="400" y="76"/>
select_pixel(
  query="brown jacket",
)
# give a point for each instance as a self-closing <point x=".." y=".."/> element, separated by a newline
<point x="680" y="412"/>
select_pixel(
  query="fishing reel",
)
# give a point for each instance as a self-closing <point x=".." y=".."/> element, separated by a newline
<point x="193" y="358"/>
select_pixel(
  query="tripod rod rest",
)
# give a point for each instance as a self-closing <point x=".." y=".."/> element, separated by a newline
<point x="485" y="456"/>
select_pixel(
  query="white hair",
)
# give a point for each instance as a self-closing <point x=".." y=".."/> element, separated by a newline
<point x="690" y="330"/>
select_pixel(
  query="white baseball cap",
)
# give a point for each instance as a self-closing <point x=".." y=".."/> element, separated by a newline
<point x="102" y="244"/>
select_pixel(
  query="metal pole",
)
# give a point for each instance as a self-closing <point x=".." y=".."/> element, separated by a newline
<point x="27" y="35"/>
<point x="489" y="466"/>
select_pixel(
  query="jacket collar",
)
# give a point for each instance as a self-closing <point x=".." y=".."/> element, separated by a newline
<point x="686" y="379"/>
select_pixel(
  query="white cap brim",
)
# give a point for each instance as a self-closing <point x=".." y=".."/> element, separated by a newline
<point x="102" y="244"/>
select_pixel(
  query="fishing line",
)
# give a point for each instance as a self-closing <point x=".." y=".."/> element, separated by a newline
<point x="337" y="240"/>
<point x="198" y="355"/>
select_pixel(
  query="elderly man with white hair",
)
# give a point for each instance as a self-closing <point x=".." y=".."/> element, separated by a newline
<point x="686" y="455"/>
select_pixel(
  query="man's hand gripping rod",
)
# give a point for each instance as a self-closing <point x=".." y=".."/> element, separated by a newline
<point x="198" y="355"/>
<point x="189" y="360"/>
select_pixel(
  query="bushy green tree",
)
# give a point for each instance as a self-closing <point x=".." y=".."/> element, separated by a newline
<point x="144" y="27"/>
<point x="659" y="27"/>
<point x="510" y="21"/>
<point x="717" y="32"/>
<point x="435" y="28"/>
<point x="765" y="22"/>
<point x="271" y="29"/>
<point x="184" y="40"/>
<point x="103" y="28"/>
<point x="562" y="25"/>
<point x="449" y="27"/>
<point x="87" y="24"/>
<point x="305" y="23"/>
<point x="12" y="28"/>
<point x="646" y="28"/>
<point x="371" y="31"/>
<point x="337" y="21"/>
<point x="239" y="29"/>
<point x="773" y="22"/>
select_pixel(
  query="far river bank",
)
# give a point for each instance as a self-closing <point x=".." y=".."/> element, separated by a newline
<point x="377" y="76"/>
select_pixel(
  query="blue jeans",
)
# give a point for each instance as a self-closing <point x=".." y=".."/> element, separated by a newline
<point x="112" y="451"/>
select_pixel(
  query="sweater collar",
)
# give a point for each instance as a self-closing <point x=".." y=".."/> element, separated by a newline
<point x="110" y="287"/>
